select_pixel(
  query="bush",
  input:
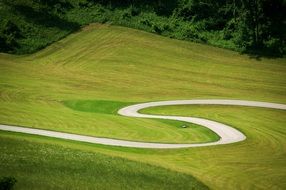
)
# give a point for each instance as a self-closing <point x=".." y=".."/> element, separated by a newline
<point x="9" y="33"/>
<point x="7" y="183"/>
<point x="274" y="45"/>
<point x="157" y="28"/>
<point x="145" y="21"/>
<point x="230" y="22"/>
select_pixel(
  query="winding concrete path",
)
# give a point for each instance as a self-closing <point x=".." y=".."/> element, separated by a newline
<point x="227" y="134"/>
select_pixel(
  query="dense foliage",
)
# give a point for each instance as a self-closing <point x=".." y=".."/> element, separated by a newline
<point x="7" y="183"/>
<point x="253" y="26"/>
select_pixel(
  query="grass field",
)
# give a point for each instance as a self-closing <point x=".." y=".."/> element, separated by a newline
<point x="36" y="164"/>
<point x="77" y="84"/>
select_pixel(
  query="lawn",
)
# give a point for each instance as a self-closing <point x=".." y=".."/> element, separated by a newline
<point x="77" y="84"/>
<point x="44" y="166"/>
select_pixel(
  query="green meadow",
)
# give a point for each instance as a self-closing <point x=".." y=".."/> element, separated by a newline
<point x="37" y="165"/>
<point x="77" y="85"/>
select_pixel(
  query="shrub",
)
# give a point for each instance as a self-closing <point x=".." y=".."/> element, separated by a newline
<point x="7" y="183"/>
<point x="9" y="33"/>
<point x="46" y="21"/>
<point x="274" y="45"/>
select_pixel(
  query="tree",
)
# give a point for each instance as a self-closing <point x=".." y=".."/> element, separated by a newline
<point x="9" y="33"/>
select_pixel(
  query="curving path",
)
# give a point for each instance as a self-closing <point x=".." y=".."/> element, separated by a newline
<point x="227" y="134"/>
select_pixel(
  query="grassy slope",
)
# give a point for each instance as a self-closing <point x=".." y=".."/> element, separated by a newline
<point x="40" y="166"/>
<point x="71" y="77"/>
<point x="123" y="65"/>
<point x="257" y="162"/>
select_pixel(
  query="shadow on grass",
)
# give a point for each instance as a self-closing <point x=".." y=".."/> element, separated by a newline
<point x="260" y="53"/>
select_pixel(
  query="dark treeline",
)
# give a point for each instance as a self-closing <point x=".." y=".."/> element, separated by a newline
<point x="251" y="26"/>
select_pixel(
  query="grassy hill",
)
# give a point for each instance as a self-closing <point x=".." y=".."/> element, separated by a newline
<point x="77" y="84"/>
